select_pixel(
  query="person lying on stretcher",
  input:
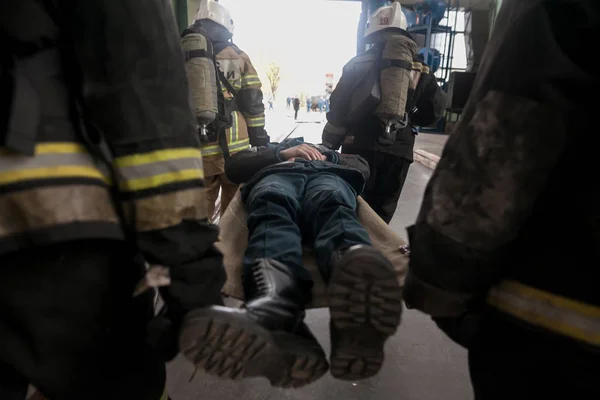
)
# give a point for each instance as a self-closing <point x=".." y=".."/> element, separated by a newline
<point x="298" y="193"/>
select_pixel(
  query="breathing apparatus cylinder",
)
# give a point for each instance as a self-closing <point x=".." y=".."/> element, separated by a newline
<point x="202" y="80"/>
<point x="395" y="80"/>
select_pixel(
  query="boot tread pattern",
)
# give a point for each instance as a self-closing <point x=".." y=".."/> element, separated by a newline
<point x="222" y="349"/>
<point x="233" y="347"/>
<point x="365" y="301"/>
<point x="304" y="370"/>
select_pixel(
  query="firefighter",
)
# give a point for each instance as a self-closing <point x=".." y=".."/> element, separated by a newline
<point x="389" y="162"/>
<point x="245" y="106"/>
<point x="100" y="165"/>
<point x="299" y="193"/>
<point x="505" y="248"/>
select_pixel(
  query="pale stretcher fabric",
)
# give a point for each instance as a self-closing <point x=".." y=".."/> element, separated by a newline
<point x="234" y="239"/>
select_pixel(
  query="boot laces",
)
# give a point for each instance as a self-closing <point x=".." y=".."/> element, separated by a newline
<point x="259" y="280"/>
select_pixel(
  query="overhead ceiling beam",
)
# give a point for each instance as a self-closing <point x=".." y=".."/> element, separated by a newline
<point x="466" y="4"/>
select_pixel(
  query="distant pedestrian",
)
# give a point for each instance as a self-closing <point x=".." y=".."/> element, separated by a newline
<point x="296" y="107"/>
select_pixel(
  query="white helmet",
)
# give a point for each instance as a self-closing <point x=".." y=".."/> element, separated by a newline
<point x="386" y="17"/>
<point x="210" y="9"/>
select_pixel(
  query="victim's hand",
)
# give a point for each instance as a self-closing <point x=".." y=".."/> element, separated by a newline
<point x="302" y="151"/>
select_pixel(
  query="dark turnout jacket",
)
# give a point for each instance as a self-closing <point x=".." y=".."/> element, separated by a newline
<point x="511" y="215"/>
<point x="427" y="105"/>
<point x="122" y="62"/>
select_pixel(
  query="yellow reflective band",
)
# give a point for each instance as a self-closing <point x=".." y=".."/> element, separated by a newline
<point x="158" y="168"/>
<point x="236" y="84"/>
<point x="156" y="156"/>
<point x="211" y="150"/>
<point x="248" y="80"/>
<point x="165" y="395"/>
<point x="558" y="314"/>
<point x="234" y="147"/>
<point x="52" y="160"/>
<point x="239" y="145"/>
<point x="417" y="66"/>
<point x="61" y="171"/>
<point x="161" y="180"/>
<point x="55" y="147"/>
<point x="255" y="122"/>
<point x="59" y="148"/>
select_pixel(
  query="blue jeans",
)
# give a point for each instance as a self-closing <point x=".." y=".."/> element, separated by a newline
<point x="288" y="209"/>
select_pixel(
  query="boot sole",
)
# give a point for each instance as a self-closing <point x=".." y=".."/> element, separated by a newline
<point x="233" y="346"/>
<point x="365" y="302"/>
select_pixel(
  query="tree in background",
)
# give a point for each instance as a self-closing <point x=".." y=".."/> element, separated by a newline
<point x="274" y="76"/>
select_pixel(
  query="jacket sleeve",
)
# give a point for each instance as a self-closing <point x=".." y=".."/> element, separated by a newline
<point x="250" y="103"/>
<point x="242" y="166"/>
<point x="334" y="131"/>
<point x="431" y="103"/>
<point x="356" y="162"/>
<point x="135" y="87"/>
<point x="333" y="136"/>
<point x="498" y="159"/>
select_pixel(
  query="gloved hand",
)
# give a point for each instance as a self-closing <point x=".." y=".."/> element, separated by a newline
<point x="195" y="268"/>
<point x="333" y="136"/>
<point x="193" y="285"/>
<point x="258" y="137"/>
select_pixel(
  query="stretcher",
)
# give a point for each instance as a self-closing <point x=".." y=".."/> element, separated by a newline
<point x="233" y="240"/>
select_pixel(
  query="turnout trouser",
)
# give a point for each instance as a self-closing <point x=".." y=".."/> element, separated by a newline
<point x="511" y="361"/>
<point x="388" y="174"/>
<point x="70" y="327"/>
<point x="288" y="209"/>
<point x="228" y="191"/>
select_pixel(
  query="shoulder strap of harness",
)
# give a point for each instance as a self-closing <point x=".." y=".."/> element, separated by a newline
<point x="196" y="54"/>
<point x="394" y="62"/>
<point x="214" y="50"/>
<point x="224" y="80"/>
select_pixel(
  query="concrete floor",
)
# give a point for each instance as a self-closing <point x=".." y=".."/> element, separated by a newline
<point x="421" y="363"/>
<point x="431" y="142"/>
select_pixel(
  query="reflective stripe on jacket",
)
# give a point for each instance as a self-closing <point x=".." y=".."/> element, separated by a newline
<point x="62" y="193"/>
<point x="58" y="192"/>
<point x="249" y="118"/>
<point x="563" y="316"/>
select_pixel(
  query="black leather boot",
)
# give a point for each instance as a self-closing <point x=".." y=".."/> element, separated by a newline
<point x="365" y="302"/>
<point x="266" y="337"/>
